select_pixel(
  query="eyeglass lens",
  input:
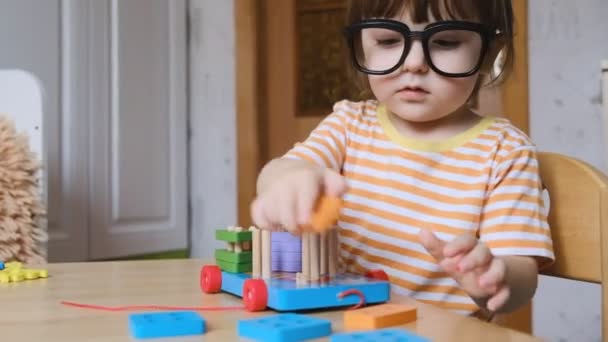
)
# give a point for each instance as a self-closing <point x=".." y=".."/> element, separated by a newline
<point x="451" y="51"/>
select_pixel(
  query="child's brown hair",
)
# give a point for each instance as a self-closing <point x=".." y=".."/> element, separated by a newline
<point x="496" y="15"/>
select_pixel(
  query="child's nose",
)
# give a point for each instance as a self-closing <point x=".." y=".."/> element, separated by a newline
<point x="415" y="60"/>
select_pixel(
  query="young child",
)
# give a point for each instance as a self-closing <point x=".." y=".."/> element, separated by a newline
<point x="447" y="202"/>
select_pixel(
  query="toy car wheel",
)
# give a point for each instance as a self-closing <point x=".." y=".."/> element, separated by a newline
<point x="211" y="279"/>
<point x="255" y="294"/>
<point x="377" y="274"/>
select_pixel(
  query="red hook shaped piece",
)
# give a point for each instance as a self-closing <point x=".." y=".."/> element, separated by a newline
<point x="353" y="292"/>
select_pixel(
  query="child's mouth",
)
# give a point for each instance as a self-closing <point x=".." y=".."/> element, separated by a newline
<point x="413" y="93"/>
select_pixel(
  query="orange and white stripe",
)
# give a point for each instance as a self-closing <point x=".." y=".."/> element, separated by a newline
<point x="484" y="181"/>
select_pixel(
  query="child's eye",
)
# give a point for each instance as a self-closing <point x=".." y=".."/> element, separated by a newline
<point x="387" y="42"/>
<point x="446" y="44"/>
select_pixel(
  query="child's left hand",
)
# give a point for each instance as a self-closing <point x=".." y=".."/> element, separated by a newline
<point x="471" y="263"/>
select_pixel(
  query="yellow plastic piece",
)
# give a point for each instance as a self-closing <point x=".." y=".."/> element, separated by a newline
<point x="12" y="265"/>
<point x="379" y="316"/>
<point x="4" y="278"/>
<point x="15" y="272"/>
<point x="16" y="277"/>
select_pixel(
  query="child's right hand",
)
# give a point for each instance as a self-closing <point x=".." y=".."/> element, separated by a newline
<point x="289" y="200"/>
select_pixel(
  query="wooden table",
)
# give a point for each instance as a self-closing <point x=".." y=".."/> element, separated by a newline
<point x="31" y="310"/>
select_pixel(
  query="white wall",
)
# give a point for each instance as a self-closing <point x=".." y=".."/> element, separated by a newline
<point x="567" y="41"/>
<point x="212" y="122"/>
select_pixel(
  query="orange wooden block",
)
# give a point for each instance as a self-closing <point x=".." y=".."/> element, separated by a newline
<point x="325" y="215"/>
<point x="379" y="316"/>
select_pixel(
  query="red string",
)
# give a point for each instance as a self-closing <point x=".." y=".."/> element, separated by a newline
<point x="152" y="307"/>
<point x="353" y="292"/>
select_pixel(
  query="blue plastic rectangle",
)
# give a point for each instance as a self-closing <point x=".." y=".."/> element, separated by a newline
<point x="392" y="335"/>
<point x="284" y="328"/>
<point x="166" y="324"/>
<point x="284" y="294"/>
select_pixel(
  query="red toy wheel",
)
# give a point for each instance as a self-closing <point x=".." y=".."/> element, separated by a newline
<point x="377" y="274"/>
<point x="255" y="294"/>
<point x="211" y="279"/>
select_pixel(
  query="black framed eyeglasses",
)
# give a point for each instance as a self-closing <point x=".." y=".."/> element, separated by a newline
<point x="451" y="48"/>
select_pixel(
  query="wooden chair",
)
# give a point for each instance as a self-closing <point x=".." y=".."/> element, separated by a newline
<point x="578" y="218"/>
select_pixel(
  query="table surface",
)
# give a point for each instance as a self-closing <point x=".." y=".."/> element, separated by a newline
<point x="31" y="310"/>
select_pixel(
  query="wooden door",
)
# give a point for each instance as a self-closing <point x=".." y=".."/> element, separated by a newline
<point x="138" y="199"/>
<point x="290" y="69"/>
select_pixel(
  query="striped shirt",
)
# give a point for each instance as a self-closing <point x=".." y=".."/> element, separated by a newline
<point x="483" y="181"/>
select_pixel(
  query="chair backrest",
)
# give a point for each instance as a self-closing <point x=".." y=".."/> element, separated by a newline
<point x="578" y="217"/>
<point x="21" y="99"/>
<point x="579" y="222"/>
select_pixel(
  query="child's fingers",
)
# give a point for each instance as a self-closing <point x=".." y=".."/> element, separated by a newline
<point x="499" y="299"/>
<point x="479" y="256"/>
<point x="334" y="183"/>
<point x="306" y="197"/>
<point x="450" y="265"/>
<point x="287" y="212"/>
<point x="461" y="244"/>
<point x="494" y="276"/>
<point x="258" y="216"/>
<point x="432" y="244"/>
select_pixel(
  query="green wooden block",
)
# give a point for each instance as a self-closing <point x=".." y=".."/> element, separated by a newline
<point x="230" y="236"/>
<point x="232" y="267"/>
<point x="233" y="257"/>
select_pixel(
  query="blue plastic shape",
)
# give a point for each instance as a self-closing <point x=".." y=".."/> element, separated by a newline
<point x="284" y="294"/>
<point x="392" y="335"/>
<point x="286" y="327"/>
<point x="166" y="324"/>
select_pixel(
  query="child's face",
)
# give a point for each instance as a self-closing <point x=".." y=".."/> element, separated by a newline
<point x="414" y="92"/>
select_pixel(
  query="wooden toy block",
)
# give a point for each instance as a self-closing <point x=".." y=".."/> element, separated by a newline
<point x="284" y="328"/>
<point x="233" y="257"/>
<point x="325" y="214"/>
<point x="246" y="246"/>
<point x="286" y="266"/>
<point x="266" y="256"/>
<point x="379" y="316"/>
<point x="382" y="335"/>
<point x="232" y="236"/>
<point x="283" y="247"/>
<point x="166" y="324"/>
<point x="233" y="267"/>
<point x="285" y="237"/>
<point x="256" y="253"/>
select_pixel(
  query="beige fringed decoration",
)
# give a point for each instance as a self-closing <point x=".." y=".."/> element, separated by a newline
<point x="23" y="233"/>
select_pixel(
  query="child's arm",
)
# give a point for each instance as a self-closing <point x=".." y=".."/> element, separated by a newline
<point x="289" y="186"/>
<point x="288" y="190"/>
<point x="277" y="168"/>
<point x="499" y="268"/>
<point x="495" y="283"/>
